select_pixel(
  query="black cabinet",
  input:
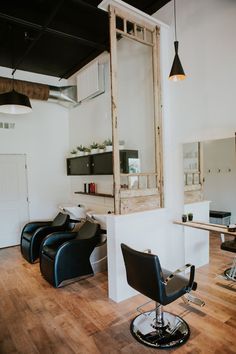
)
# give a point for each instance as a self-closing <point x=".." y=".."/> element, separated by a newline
<point x="79" y="165"/>
<point x="99" y="164"/>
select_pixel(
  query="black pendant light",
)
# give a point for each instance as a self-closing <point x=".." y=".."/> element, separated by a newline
<point x="14" y="102"/>
<point x="177" y="71"/>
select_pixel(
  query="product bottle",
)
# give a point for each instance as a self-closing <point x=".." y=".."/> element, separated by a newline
<point x="92" y="187"/>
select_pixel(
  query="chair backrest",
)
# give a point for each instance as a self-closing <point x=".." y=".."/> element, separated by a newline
<point x="144" y="273"/>
<point x="88" y="230"/>
<point x="60" y="220"/>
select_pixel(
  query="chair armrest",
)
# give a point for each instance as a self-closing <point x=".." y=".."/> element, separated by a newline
<point x="79" y="246"/>
<point x="32" y="226"/>
<point x="59" y="236"/>
<point x="180" y="270"/>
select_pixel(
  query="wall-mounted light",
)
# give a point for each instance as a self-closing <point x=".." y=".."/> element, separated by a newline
<point x="177" y="71"/>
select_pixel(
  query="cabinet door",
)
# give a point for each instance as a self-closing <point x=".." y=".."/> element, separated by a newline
<point x="102" y="164"/>
<point x="79" y="166"/>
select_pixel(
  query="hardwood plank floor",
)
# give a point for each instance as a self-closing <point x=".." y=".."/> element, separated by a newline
<point x="79" y="318"/>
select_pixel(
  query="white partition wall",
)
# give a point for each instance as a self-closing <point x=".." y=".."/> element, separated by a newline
<point x="197" y="241"/>
<point x="148" y="229"/>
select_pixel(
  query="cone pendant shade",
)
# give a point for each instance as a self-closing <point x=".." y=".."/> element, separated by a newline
<point x="14" y="102"/>
<point x="177" y="71"/>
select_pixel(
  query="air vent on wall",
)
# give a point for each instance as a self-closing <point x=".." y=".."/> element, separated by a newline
<point x="6" y="125"/>
<point x="90" y="81"/>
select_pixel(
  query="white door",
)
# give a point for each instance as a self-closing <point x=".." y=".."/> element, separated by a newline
<point x="14" y="212"/>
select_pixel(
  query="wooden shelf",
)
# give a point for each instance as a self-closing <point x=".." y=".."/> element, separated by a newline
<point x="221" y="229"/>
<point x="96" y="194"/>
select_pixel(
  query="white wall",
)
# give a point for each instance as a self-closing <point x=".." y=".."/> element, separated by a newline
<point x="91" y="122"/>
<point x="140" y="231"/>
<point x="203" y="105"/>
<point x="43" y="136"/>
<point x="197" y="241"/>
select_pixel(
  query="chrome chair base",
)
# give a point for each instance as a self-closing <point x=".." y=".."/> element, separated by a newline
<point x="174" y="331"/>
<point x="230" y="273"/>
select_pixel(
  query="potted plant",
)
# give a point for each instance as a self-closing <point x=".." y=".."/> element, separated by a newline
<point x="87" y="151"/>
<point x="190" y="216"/>
<point x="94" y="148"/>
<point x="108" y="144"/>
<point x="80" y="149"/>
<point x="73" y="153"/>
<point x="101" y="148"/>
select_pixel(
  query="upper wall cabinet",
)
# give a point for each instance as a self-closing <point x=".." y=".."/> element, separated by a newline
<point x="100" y="164"/>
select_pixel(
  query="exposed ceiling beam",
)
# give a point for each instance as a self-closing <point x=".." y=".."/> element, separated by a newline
<point x="50" y="18"/>
<point x="155" y="6"/>
<point x="83" y="62"/>
<point x="90" y="7"/>
<point x="63" y="34"/>
<point x="82" y="40"/>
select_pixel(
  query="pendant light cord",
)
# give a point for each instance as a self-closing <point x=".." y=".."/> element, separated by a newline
<point x="175" y="20"/>
<point x="12" y="54"/>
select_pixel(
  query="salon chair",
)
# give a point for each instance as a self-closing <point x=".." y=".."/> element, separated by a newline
<point x="230" y="246"/>
<point x="158" y="329"/>
<point x="65" y="256"/>
<point x="34" y="232"/>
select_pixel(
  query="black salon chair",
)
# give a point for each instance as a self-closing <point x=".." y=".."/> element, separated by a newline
<point x="65" y="256"/>
<point x="34" y="232"/>
<point x="157" y="329"/>
<point x="230" y="246"/>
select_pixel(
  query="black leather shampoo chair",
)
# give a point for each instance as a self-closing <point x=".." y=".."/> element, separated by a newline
<point x="230" y="246"/>
<point x="34" y="232"/>
<point x="157" y="329"/>
<point x="65" y="256"/>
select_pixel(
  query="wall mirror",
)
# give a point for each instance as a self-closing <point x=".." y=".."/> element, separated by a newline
<point x="210" y="174"/>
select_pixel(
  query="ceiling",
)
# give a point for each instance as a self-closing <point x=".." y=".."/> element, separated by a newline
<point x="56" y="37"/>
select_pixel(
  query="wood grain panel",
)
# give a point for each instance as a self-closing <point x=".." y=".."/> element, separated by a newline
<point x="79" y="318"/>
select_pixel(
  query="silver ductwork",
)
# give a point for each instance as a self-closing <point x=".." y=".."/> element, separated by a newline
<point x="64" y="95"/>
<point x="91" y="81"/>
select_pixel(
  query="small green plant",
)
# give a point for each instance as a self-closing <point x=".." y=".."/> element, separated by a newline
<point x="190" y="216"/>
<point x="101" y="146"/>
<point x="94" y="145"/>
<point x="73" y="152"/>
<point x="80" y="148"/>
<point x="86" y="149"/>
<point x="107" y="142"/>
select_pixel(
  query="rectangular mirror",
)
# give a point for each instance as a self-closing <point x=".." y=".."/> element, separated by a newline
<point x="210" y="174"/>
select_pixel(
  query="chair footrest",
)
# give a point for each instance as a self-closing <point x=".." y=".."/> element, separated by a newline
<point x="230" y="273"/>
<point x="193" y="299"/>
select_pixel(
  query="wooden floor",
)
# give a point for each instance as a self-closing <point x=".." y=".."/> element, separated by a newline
<point x="36" y="318"/>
